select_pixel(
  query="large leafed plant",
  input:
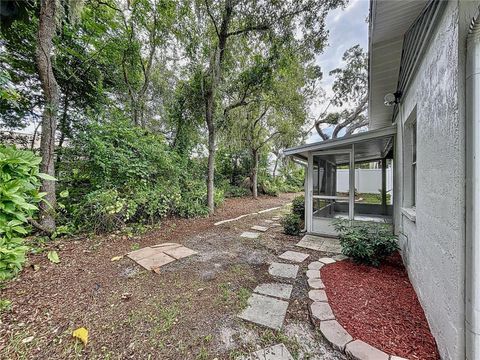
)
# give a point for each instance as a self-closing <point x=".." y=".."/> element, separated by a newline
<point x="19" y="194"/>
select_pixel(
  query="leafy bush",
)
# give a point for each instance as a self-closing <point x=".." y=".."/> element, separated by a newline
<point x="235" y="191"/>
<point x="117" y="173"/>
<point x="268" y="187"/>
<point x="292" y="224"/>
<point x="366" y="243"/>
<point x="19" y="192"/>
<point x="298" y="206"/>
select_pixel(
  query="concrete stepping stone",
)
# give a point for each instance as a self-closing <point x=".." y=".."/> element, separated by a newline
<point x="316" y="284"/>
<point x="335" y="334"/>
<point x="259" y="228"/>
<point x="321" y="311"/>
<point x="289" y="271"/>
<point x="153" y="257"/>
<point x="317" y="295"/>
<point x="275" y="352"/>
<point x="360" y="350"/>
<point x="250" y="235"/>
<point x="326" y="260"/>
<point x="276" y="224"/>
<point x="266" y="311"/>
<point x="316" y="265"/>
<point x="313" y="274"/>
<point x="282" y="291"/>
<point x="340" y="257"/>
<point x="180" y="252"/>
<point x="294" y="256"/>
<point x="320" y="243"/>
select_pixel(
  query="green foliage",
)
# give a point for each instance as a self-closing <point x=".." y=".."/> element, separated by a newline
<point x="19" y="194"/>
<point x="366" y="243"/>
<point x="117" y="173"/>
<point x="298" y="206"/>
<point x="235" y="191"/>
<point x="292" y="224"/>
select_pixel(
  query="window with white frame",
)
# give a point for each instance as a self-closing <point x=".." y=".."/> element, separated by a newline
<point x="410" y="161"/>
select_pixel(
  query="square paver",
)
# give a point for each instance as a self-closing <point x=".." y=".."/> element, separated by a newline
<point x="143" y="253"/>
<point x="154" y="262"/>
<point x="320" y="243"/>
<point x="259" y="228"/>
<point x="250" y="235"/>
<point x="275" y="352"/>
<point x="283" y="270"/>
<point x="278" y="290"/>
<point x="294" y="256"/>
<point x="180" y="252"/>
<point x="266" y="311"/>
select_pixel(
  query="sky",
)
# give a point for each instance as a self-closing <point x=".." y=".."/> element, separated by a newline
<point x="347" y="27"/>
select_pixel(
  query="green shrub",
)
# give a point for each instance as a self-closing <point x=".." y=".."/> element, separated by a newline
<point x="268" y="187"/>
<point x="235" y="191"/>
<point x="366" y="243"/>
<point x="298" y="206"/>
<point x="19" y="192"/>
<point x="292" y="224"/>
<point x="117" y="173"/>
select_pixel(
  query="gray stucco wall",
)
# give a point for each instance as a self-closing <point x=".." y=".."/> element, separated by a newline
<point x="433" y="246"/>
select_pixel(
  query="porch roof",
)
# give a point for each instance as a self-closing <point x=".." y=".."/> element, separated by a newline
<point x="369" y="145"/>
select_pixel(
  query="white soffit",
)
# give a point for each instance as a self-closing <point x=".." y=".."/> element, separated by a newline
<point x="390" y="19"/>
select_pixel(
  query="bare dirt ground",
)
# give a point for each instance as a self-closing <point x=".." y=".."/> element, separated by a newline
<point x="188" y="311"/>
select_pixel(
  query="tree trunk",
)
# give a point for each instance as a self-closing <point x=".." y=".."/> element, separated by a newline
<point x="274" y="174"/>
<point x="211" y="151"/>
<point x="254" y="177"/>
<point x="46" y="31"/>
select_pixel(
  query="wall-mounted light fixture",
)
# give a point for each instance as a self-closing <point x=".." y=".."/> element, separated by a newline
<point x="392" y="98"/>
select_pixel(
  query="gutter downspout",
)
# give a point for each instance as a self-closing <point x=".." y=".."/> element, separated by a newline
<point x="472" y="268"/>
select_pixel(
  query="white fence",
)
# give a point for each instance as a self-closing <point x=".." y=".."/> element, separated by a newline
<point x="366" y="180"/>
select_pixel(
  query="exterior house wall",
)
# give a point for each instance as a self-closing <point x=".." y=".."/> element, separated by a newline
<point x="433" y="241"/>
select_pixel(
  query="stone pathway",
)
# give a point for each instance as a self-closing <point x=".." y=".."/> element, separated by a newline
<point x="268" y="304"/>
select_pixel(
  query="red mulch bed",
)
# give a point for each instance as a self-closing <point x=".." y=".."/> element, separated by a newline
<point x="380" y="307"/>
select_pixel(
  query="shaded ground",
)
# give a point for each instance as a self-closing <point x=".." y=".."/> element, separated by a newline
<point x="186" y="312"/>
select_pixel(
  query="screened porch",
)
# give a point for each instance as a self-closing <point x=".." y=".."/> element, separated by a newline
<point x="347" y="178"/>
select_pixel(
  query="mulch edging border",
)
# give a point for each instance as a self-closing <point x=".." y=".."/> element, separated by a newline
<point x="323" y="317"/>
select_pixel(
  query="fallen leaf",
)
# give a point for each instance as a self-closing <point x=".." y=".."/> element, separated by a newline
<point x="82" y="334"/>
<point x="116" y="258"/>
<point x="36" y="267"/>
<point x="53" y="257"/>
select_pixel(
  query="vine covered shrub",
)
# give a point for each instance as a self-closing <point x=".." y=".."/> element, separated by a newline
<point x="366" y="243"/>
<point x="19" y="194"/>
<point x="298" y="206"/>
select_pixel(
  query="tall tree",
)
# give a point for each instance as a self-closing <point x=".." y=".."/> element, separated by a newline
<point x="350" y="91"/>
<point x="44" y="52"/>
<point x="301" y="22"/>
